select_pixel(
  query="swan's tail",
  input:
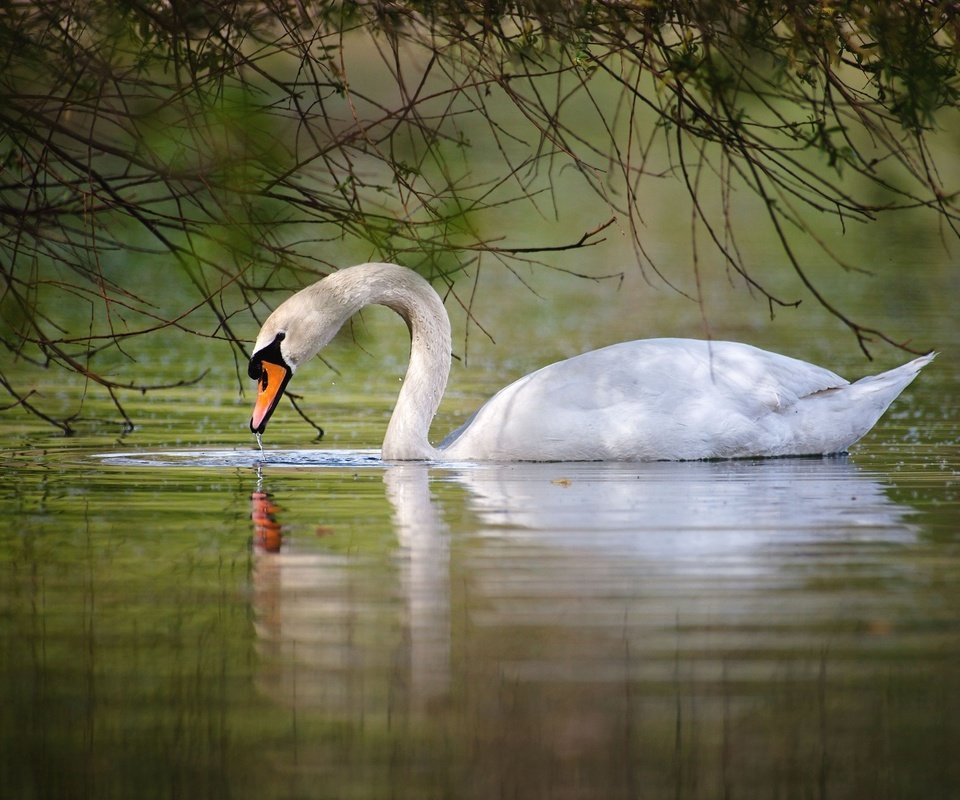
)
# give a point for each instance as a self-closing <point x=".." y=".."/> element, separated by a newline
<point x="877" y="392"/>
<point x="890" y="383"/>
<point x="840" y="417"/>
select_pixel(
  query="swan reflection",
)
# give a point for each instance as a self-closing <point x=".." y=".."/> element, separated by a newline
<point x="332" y="636"/>
<point x="699" y="510"/>
<point x="562" y="569"/>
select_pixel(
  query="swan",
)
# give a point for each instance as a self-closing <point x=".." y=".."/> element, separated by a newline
<point x="652" y="399"/>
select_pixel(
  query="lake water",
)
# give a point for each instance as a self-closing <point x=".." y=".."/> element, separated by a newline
<point x="183" y="616"/>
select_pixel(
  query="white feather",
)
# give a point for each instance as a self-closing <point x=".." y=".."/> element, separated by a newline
<point x="635" y="401"/>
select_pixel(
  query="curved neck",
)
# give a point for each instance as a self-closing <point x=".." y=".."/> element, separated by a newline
<point x="415" y="300"/>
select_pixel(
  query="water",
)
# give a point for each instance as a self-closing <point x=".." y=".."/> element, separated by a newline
<point x="314" y="623"/>
<point x="186" y="614"/>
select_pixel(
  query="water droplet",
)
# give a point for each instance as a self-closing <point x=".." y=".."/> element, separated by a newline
<point x="260" y="442"/>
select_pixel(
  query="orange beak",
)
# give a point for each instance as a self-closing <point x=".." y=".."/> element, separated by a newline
<point x="271" y="383"/>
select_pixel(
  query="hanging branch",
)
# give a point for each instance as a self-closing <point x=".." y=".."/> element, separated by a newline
<point x="225" y="153"/>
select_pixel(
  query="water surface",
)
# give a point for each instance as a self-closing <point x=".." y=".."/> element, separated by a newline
<point x="183" y="616"/>
<point x="210" y="622"/>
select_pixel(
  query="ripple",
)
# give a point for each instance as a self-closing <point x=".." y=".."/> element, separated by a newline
<point x="233" y="458"/>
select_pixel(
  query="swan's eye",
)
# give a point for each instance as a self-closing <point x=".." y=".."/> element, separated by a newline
<point x="257" y="368"/>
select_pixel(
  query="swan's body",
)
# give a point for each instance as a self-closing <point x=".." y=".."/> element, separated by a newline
<point x="635" y="401"/>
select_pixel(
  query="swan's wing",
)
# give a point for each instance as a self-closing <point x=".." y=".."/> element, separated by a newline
<point x="654" y="398"/>
<point x="670" y="373"/>
<point x="750" y="375"/>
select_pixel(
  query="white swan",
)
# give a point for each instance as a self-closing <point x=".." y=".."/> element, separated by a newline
<point x="652" y="399"/>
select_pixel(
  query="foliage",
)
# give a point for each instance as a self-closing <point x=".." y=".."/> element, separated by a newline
<point x="230" y="147"/>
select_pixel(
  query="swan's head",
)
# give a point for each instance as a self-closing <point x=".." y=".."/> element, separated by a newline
<point x="292" y="334"/>
<point x="272" y="372"/>
<point x="305" y="323"/>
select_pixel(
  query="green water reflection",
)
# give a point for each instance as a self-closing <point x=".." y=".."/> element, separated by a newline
<point x="782" y="628"/>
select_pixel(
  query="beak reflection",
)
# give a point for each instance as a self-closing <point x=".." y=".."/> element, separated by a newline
<point x="267" y="531"/>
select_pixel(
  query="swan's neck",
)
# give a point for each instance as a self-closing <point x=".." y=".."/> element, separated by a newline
<point x="426" y="378"/>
